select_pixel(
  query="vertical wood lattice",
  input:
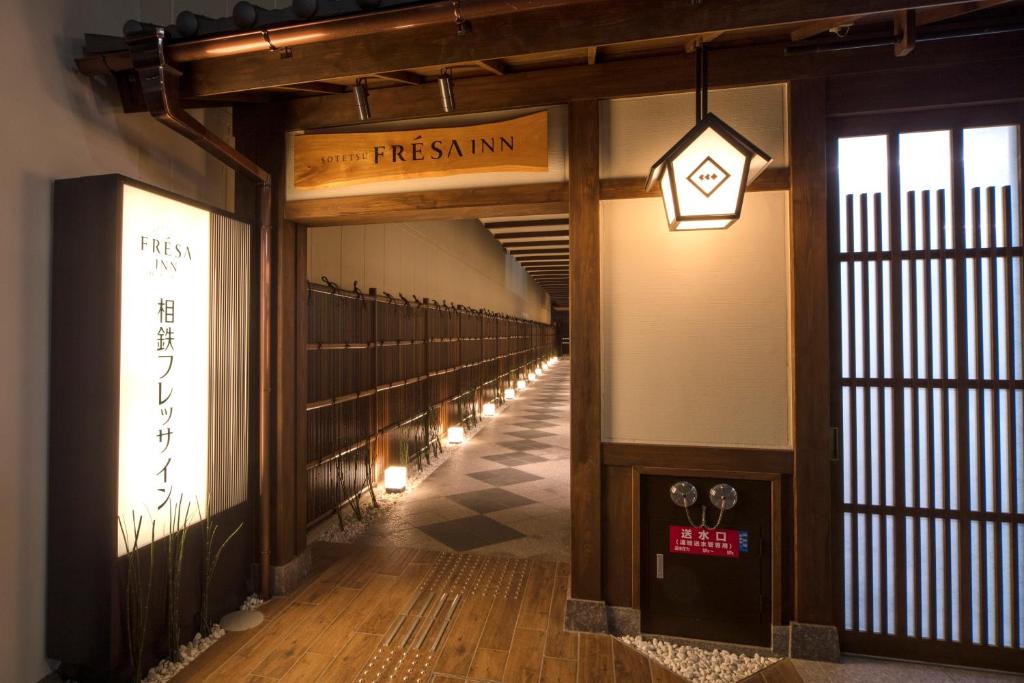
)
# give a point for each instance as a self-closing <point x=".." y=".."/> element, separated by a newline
<point x="928" y="372"/>
<point x="384" y="374"/>
<point x="230" y="286"/>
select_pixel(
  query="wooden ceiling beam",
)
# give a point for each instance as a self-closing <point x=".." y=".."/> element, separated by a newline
<point x="534" y="234"/>
<point x="937" y="14"/>
<point x="517" y="33"/>
<point x="515" y="200"/>
<point x="532" y="223"/>
<point x="771" y="179"/>
<point x="905" y="27"/>
<point x="403" y="77"/>
<point x="495" y="66"/>
<point x="733" y="67"/>
<point x="534" y="243"/>
<point x="466" y="203"/>
<point x="692" y="44"/>
<point x="316" y="88"/>
<point x="817" y="27"/>
<point x="593" y="54"/>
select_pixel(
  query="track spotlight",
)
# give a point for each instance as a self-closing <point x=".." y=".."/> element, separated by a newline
<point x="362" y="99"/>
<point x="447" y="94"/>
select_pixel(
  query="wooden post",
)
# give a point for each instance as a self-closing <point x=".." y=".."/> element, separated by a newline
<point x="259" y="134"/>
<point x="812" y="472"/>
<point x="373" y="444"/>
<point x="301" y="298"/>
<point x="585" y="325"/>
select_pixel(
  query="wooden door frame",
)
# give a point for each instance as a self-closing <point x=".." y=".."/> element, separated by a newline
<point x="585" y="339"/>
<point x="898" y="644"/>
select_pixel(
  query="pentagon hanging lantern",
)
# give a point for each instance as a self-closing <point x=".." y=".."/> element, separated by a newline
<point x="704" y="176"/>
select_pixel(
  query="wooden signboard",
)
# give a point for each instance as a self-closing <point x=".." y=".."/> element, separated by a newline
<point x="335" y="159"/>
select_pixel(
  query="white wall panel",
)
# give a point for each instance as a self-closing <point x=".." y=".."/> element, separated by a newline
<point x="457" y="261"/>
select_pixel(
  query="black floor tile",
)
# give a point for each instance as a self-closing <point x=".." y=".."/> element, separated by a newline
<point x="513" y="459"/>
<point x="505" y="476"/>
<point x="470" y="533"/>
<point x="529" y="433"/>
<point x="524" y="445"/>
<point x="490" y="500"/>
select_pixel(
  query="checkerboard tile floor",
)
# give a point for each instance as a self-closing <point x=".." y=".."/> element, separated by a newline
<point x="506" y="490"/>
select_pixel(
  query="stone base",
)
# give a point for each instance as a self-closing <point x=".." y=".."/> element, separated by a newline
<point x="286" y="577"/>
<point x="819" y="642"/>
<point x="586" y="615"/>
<point x="780" y="641"/>
<point x="623" y="621"/>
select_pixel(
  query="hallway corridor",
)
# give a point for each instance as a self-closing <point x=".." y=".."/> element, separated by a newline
<point x="504" y="491"/>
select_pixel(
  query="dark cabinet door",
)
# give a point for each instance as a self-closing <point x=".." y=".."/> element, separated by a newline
<point x="703" y="593"/>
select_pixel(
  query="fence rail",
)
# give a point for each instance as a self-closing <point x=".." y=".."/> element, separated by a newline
<point x="386" y="376"/>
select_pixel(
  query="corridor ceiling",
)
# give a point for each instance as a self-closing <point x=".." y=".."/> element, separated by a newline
<point x="541" y="246"/>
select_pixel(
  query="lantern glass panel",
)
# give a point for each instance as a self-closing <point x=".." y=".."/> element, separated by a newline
<point x="709" y="178"/>
<point x="669" y="197"/>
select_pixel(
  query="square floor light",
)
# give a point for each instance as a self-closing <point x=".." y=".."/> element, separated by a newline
<point x="510" y="394"/>
<point x="488" y="410"/>
<point x="520" y="384"/>
<point x="456" y="435"/>
<point x="532" y="377"/>
<point x="395" y="478"/>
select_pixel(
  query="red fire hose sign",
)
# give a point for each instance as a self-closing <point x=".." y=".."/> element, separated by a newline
<point x="692" y="540"/>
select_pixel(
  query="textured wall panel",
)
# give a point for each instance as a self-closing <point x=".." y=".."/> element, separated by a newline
<point x="637" y="131"/>
<point x="453" y="260"/>
<point x="695" y="326"/>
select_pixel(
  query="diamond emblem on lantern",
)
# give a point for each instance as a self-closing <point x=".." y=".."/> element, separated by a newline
<point x="708" y="176"/>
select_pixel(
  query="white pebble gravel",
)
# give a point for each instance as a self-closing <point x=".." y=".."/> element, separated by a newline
<point x="250" y="603"/>
<point x="330" y="532"/>
<point x="697" y="664"/>
<point x="166" y="669"/>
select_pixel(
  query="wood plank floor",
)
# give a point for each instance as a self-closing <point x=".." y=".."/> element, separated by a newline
<point x="372" y="614"/>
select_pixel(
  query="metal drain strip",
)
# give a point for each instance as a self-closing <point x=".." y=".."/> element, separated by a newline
<point x="401" y="620"/>
<point x="447" y="623"/>
<point x="412" y="626"/>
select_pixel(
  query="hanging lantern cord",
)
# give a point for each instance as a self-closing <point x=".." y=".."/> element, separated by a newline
<point x="702" y="81"/>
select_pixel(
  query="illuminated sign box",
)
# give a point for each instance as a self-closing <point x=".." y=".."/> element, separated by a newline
<point x="163" y="447"/>
<point x="149" y="404"/>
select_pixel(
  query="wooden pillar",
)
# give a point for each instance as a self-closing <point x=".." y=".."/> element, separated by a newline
<point x="812" y="467"/>
<point x="259" y="134"/>
<point x="300" y="335"/>
<point x="585" y="326"/>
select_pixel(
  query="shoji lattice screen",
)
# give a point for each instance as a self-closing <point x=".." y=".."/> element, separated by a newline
<point x="928" y="388"/>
